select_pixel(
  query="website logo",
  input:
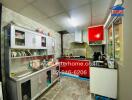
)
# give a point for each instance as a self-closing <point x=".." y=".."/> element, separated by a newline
<point x="118" y="11"/>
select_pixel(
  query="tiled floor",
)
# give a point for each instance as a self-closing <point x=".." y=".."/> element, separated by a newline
<point x="68" y="89"/>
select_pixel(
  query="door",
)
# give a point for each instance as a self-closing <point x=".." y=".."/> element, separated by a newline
<point x="117" y="28"/>
<point x="34" y="86"/>
<point x="18" y="36"/>
<point x="42" y="81"/>
<point x="50" y="46"/>
<point x="37" y="41"/>
<point x="29" y="39"/>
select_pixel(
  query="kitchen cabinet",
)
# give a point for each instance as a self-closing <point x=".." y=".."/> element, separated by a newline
<point x="115" y="39"/>
<point x="37" y="41"/>
<point x="24" y="38"/>
<point x="26" y="69"/>
<point x="19" y="89"/>
<point x="36" y="83"/>
<point x="103" y="81"/>
<point x="96" y="35"/>
<point x="118" y="38"/>
<point x="20" y="54"/>
<point x="17" y="37"/>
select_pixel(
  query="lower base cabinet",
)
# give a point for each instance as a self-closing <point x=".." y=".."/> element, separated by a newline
<point x="103" y="82"/>
<point x="32" y="86"/>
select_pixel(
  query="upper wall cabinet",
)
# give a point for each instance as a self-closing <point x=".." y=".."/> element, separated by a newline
<point x="17" y="37"/>
<point x="96" y="35"/>
<point x="114" y="39"/>
<point x="118" y="38"/>
<point x="23" y="38"/>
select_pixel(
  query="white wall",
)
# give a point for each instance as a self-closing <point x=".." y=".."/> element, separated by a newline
<point x="125" y="70"/>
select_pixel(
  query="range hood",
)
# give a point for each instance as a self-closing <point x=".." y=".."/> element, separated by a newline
<point x="78" y="36"/>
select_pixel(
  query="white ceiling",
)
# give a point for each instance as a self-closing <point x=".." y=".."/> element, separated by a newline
<point x="55" y="13"/>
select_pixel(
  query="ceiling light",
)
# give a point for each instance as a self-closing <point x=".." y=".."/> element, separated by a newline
<point x="73" y="22"/>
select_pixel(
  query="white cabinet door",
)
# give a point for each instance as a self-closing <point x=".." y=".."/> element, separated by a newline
<point x="23" y="38"/>
<point x="37" y="41"/>
<point x="42" y="81"/>
<point x="29" y="40"/>
<point x="17" y="37"/>
<point x="38" y="84"/>
<point x="103" y="82"/>
<point x="34" y="86"/>
<point x="50" y="46"/>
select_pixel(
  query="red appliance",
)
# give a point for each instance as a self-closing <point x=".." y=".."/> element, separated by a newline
<point x="96" y="33"/>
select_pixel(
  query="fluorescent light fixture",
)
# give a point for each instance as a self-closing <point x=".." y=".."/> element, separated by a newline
<point x="73" y="22"/>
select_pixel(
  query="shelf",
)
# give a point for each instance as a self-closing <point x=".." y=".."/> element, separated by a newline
<point x="35" y="57"/>
<point x="24" y="57"/>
